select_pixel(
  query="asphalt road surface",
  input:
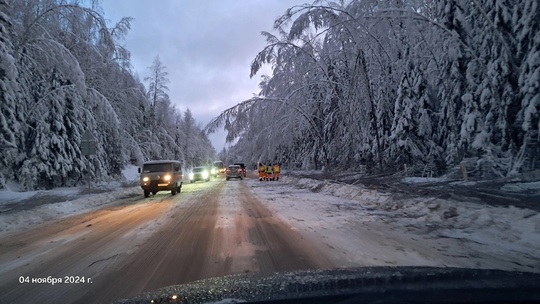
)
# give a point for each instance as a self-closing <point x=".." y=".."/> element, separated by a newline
<point x="210" y="229"/>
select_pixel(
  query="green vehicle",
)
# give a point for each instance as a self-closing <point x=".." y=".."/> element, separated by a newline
<point x="161" y="175"/>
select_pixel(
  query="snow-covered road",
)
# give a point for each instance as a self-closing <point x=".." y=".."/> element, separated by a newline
<point x="219" y="228"/>
<point x="367" y="227"/>
<point x="134" y="244"/>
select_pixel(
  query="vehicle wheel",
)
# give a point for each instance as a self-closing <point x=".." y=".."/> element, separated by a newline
<point x="146" y="193"/>
<point x="173" y="192"/>
<point x="227" y="178"/>
<point x="154" y="192"/>
<point x="241" y="178"/>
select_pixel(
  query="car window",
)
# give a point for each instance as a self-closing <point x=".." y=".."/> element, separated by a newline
<point x="148" y="168"/>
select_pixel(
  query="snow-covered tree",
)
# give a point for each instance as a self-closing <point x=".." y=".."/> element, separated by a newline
<point x="157" y="89"/>
<point x="388" y="83"/>
<point x="11" y="110"/>
<point x="63" y="71"/>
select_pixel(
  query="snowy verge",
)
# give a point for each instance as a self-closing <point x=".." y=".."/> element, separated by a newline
<point x="492" y="223"/>
<point x="13" y="193"/>
<point x="85" y="202"/>
<point x="520" y="187"/>
<point x="394" y="230"/>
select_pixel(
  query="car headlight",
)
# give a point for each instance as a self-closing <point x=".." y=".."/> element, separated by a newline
<point x="205" y="174"/>
<point x="191" y="175"/>
<point x="213" y="171"/>
<point x="167" y="177"/>
<point x="145" y="179"/>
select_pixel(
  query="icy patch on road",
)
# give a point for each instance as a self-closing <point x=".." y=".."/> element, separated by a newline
<point x="370" y="227"/>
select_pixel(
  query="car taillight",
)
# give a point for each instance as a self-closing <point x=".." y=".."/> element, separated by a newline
<point x="239" y="170"/>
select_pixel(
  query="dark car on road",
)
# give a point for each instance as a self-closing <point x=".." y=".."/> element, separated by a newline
<point x="243" y="167"/>
<point x="199" y="174"/>
<point x="234" y="171"/>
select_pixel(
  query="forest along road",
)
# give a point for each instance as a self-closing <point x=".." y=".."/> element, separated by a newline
<point x="209" y="230"/>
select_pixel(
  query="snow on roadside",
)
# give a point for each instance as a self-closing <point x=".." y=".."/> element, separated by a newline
<point x="394" y="230"/>
<point x="519" y="187"/>
<point x="9" y="200"/>
<point x="13" y="194"/>
<point x="417" y="180"/>
<point x="44" y="213"/>
<point x="10" y="196"/>
<point x="70" y="201"/>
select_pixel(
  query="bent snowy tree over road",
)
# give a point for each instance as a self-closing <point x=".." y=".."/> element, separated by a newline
<point x="397" y="86"/>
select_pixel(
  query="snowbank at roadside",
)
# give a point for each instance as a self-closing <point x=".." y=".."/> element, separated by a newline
<point x="445" y="232"/>
<point x="520" y="187"/>
<point x="478" y="222"/>
<point x="13" y="192"/>
<point x="63" y="201"/>
<point x="9" y="196"/>
<point x="65" y="207"/>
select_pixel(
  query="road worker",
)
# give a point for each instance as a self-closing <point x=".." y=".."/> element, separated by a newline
<point x="269" y="170"/>
<point x="262" y="171"/>
<point x="276" y="171"/>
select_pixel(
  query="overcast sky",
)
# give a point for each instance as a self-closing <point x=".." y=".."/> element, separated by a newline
<point x="207" y="47"/>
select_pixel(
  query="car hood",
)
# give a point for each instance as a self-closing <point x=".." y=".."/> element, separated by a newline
<point x="352" y="285"/>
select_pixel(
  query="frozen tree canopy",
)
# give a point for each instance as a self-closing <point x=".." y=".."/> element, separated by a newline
<point x="62" y="72"/>
<point x="421" y="84"/>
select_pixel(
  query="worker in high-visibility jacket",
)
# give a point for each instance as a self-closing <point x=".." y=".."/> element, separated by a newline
<point x="262" y="171"/>
<point x="269" y="171"/>
<point x="276" y="171"/>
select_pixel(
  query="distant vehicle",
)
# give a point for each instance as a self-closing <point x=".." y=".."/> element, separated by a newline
<point x="243" y="167"/>
<point x="161" y="175"/>
<point x="218" y="168"/>
<point x="199" y="174"/>
<point x="234" y="171"/>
